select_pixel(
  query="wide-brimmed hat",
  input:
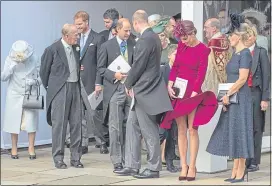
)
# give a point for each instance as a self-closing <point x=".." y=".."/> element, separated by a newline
<point x="259" y="16"/>
<point x="20" y="51"/>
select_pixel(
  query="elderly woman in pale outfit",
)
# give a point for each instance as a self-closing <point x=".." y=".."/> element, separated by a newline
<point x="153" y="19"/>
<point x="20" y="71"/>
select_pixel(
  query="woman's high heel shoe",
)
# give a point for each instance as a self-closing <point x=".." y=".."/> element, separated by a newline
<point x="14" y="156"/>
<point x="191" y="178"/>
<point x="32" y="157"/>
<point x="181" y="178"/>
<point x="241" y="179"/>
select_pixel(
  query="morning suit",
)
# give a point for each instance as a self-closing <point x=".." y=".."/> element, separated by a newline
<point x="89" y="43"/>
<point x="115" y="101"/>
<point x="259" y="84"/>
<point x="151" y="99"/>
<point x="59" y="73"/>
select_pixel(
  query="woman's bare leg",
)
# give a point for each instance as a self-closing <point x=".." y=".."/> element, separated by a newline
<point x="163" y="151"/>
<point x="31" y="139"/>
<point x="241" y="168"/>
<point x="14" y="140"/>
<point x="194" y="144"/>
<point x="234" y="168"/>
<point x="182" y="143"/>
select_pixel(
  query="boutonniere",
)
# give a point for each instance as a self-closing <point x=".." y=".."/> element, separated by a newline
<point x="77" y="48"/>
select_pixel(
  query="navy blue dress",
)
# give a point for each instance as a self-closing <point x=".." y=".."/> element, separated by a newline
<point x="233" y="135"/>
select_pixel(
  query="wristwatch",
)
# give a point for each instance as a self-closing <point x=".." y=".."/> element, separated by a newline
<point x="228" y="95"/>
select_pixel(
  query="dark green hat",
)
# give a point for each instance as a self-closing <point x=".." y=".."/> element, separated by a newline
<point x="160" y="26"/>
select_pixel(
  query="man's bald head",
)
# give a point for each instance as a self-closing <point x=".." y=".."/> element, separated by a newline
<point x="69" y="34"/>
<point x="211" y="27"/>
<point x="121" y="22"/>
<point x="140" y="16"/>
<point x="214" y="22"/>
<point x="140" y="20"/>
<point x="123" y="28"/>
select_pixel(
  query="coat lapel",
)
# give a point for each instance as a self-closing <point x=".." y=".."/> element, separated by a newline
<point x="255" y="60"/>
<point x="117" y="47"/>
<point x="62" y="53"/>
<point x="130" y="52"/>
<point x="88" y="42"/>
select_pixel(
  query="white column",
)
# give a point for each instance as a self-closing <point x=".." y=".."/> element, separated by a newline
<point x="193" y="10"/>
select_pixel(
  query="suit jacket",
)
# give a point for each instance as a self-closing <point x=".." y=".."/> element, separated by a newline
<point x="105" y="34"/>
<point x="261" y="71"/>
<point x="165" y="71"/>
<point x="145" y="78"/>
<point x="89" y="60"/>
<point x="108" y="52"/>
<point x="54" y="72"/>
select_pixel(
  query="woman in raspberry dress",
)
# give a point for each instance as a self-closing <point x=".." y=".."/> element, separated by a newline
<point x="190" y="64"/>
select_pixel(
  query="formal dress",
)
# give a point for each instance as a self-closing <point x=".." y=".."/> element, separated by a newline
<point x="233" y="135"/>
<point x="193" y="68"/>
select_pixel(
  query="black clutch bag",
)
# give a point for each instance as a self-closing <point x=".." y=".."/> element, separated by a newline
<point x="232" y="99"/>
<point x="176" y="90"/>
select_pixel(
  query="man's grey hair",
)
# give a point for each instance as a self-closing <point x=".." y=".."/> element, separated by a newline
<point x="66" y="29"/>
<point x="111" y="13"/>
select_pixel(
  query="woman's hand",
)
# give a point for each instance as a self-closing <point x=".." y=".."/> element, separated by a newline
<point x="171" y="92"/>
<point x="193" y="94"/>
<point x="225" y="108"/>
<point x="225" y="100"/>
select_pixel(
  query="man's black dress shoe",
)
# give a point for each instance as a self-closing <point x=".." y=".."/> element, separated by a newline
<point x="147" y="174"/>
<point x="253" y="168"/>
<point x="68" y="145"/>
<point x="127" y="171"/>
<point x="170" y="167"/>
<point x="60" y="165"/>
<point x="117" y="167"/>
<point x="76" y="164"/>
<point x="104" y="149"/>
<point x="84" y="149"/>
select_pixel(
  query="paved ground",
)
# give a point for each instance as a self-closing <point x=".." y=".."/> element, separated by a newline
<point x="98" y="171"/>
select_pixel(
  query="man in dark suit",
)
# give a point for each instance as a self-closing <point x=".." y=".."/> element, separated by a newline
<point x="110" y="17"/>
<point x="259" y="83"/>
<point x="89" y="43"/>
<point x="115" y="101"/>
<point x="147" y="88"/>
<point x="59" y="73"/>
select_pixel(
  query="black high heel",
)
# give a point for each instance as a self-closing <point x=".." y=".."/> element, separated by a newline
<point x="32" y="157"/>
<point x="242" y="179"/>
<point x="15" y="157"/>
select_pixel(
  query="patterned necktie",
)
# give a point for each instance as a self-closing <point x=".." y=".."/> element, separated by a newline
<point x="123" y="47"/>
<point x="82" y="44"/>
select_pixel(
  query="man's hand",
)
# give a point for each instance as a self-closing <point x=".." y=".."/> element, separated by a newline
<point x="98" y="89"/>
<point x="264" y="105"/>
<point x="130" y="93"/>
<point x="119" y="76"/>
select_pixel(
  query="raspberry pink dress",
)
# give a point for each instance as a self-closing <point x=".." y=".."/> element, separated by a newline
<point x="191" y="64"/>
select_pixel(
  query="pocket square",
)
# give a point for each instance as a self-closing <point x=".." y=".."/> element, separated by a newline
<point x="91" y="44"/>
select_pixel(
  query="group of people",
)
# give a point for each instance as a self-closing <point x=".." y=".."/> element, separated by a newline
<point x="145" y="104"/>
